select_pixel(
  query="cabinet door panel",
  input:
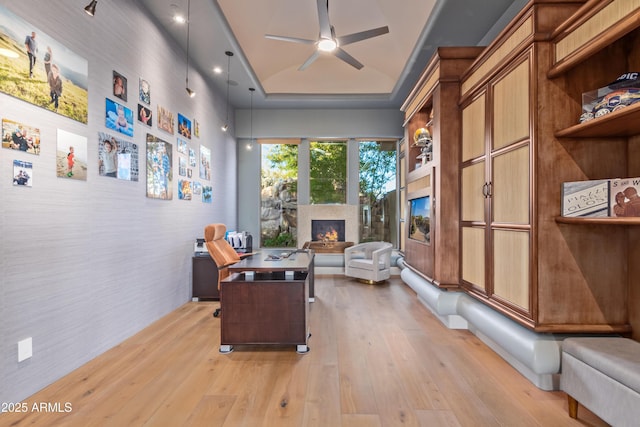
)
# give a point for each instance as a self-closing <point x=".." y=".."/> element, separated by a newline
<point x="473" y="129"/>
<point x="473" y="260"/>
<point x="472" y="200"/>
<point x="511" y="266"/>
<point x="510" y="187"/>
<point x="511" y="107"/>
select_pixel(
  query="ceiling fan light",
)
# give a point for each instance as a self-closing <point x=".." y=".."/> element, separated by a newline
<point x="327" y="45"/>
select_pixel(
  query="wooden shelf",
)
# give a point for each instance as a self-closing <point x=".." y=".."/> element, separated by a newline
<point x="598" y="221"/>
<point x="624" y="122"/>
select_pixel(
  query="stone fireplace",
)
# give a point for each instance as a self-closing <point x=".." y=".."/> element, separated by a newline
<point x="346" y="214"/>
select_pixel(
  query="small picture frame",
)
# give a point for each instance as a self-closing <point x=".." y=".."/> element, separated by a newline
<point x="145" y="91"/>
<point x="119" y="85"/>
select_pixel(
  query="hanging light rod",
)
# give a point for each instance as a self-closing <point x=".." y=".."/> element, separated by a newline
<point x="191" y="92"/>
<point x="249" y="145"/>
<point x="91" y="7"/>
<point x="229" y="54"/>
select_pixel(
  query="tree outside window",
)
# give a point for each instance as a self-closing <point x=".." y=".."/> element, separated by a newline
<point x="328" y="172"/>
<point x="378" y="206"/>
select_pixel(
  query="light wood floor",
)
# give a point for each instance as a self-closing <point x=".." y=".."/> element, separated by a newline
<point x="378" y="358"/>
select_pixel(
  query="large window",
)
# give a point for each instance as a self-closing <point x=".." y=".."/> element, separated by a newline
<point x="378" y="199"/>
<point x="328" y="172"/>
<point x="279" y="201"/>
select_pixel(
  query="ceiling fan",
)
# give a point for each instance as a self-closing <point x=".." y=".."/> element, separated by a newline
<point x="327" y="40"/>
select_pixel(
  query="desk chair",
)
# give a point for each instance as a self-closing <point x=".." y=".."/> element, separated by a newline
<point x="221" y="252"/>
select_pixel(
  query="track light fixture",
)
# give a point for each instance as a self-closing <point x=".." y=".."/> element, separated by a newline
<point x="91" y="7"/>
<point x="229" y="54"/>
<point x="189" y="90"/>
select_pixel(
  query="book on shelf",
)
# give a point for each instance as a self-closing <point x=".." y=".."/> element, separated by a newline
<point x="624" y="197"/>
<point x="586" y="198"/>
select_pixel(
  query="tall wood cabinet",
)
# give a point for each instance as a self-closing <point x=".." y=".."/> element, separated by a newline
<point x="521" y="101"/>
<point x="433" y="104"/>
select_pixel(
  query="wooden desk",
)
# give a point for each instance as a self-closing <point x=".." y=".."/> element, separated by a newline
<point x="266" y="301"/>
<point x="298" y="261"/>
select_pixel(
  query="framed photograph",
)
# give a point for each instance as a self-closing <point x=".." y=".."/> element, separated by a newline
<point x="205" y="163"/>
<point x="159" y="168"/>
<point x="22" y="173"/>
<point x="71" y="156"/>
<point x="117" y="158"/>
<point x="118" y="117"/>
<point x="625" y="197"/>
<point x="182" y="166"/>
<point x="182" y="146"/>
<point x="20" y="136"/>
<point x="145" y="91"/>
<point x="26" y="76"/>
<point x="165" y="120"/>
<point x="207" y="193"/>
<point x="585" y="198"/>
<point x="119" y="86"/>
<point x="184" y="126"/>
<point x="192" y="158"/>
<point x="196" y="128"/>
<point x="184" y="189"/>
<point x="144" y="115"/>
<point x="196" y="188"/>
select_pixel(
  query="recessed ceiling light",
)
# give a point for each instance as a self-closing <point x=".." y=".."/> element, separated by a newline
<point x="177" y="15"/>
<point x="217" y="70"/>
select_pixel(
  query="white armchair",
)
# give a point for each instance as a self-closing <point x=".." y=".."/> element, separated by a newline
<point x="369" y="262"/>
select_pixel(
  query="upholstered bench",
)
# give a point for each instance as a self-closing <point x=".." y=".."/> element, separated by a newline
<point x="603" y="375"/>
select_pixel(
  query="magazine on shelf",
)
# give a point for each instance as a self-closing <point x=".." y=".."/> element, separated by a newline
<point x="585" y="198"/>
<point x="624" y="197"/>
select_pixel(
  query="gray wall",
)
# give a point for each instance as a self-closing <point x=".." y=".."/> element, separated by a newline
<point x="86" y="264"/>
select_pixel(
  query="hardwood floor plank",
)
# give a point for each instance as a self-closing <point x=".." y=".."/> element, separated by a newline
<point x="378" y="358"/>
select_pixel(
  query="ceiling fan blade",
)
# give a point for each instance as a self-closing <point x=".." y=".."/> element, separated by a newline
<point x="363" y="35"/>
<point x="309" y="60"/>
<point x="347" y="58"/>
<point x="323" y="18"/>
<point x="289" y="39"/>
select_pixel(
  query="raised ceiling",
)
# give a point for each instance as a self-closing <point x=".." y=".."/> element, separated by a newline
<point x="392" y="62"/>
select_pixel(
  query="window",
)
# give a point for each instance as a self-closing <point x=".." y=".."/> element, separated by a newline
<point x="377" y="188"/>
<point x="328" y="172"/>
<point x="279" y="187"/>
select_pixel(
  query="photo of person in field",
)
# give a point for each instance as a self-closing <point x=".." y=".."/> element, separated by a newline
<point x="40" y="70"/>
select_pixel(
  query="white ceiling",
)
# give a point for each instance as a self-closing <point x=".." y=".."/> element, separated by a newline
<point x="392" y="62"/>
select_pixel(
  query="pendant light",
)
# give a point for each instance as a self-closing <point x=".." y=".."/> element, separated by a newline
<point x="91" y="8"/>
<point x="250" y="144"/>
<point x="229" y="54"/>
<point x="189" y="90"/>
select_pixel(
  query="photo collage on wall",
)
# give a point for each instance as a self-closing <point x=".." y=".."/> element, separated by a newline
<point x="57" y="80"/>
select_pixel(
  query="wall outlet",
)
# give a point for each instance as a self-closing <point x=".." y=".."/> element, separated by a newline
<point x="25" y="349"/>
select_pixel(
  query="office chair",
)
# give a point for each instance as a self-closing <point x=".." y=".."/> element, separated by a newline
<point x="221" y="252"/>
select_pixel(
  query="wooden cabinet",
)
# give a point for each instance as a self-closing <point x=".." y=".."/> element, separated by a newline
<point x="514" y="256"/>
<point x="433" y="104"/>
<point x="204" y="278"/>
<point x="496" y="189"/>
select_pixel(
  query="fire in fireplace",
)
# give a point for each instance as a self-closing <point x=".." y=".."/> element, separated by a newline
<point x="327" y="230"/>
